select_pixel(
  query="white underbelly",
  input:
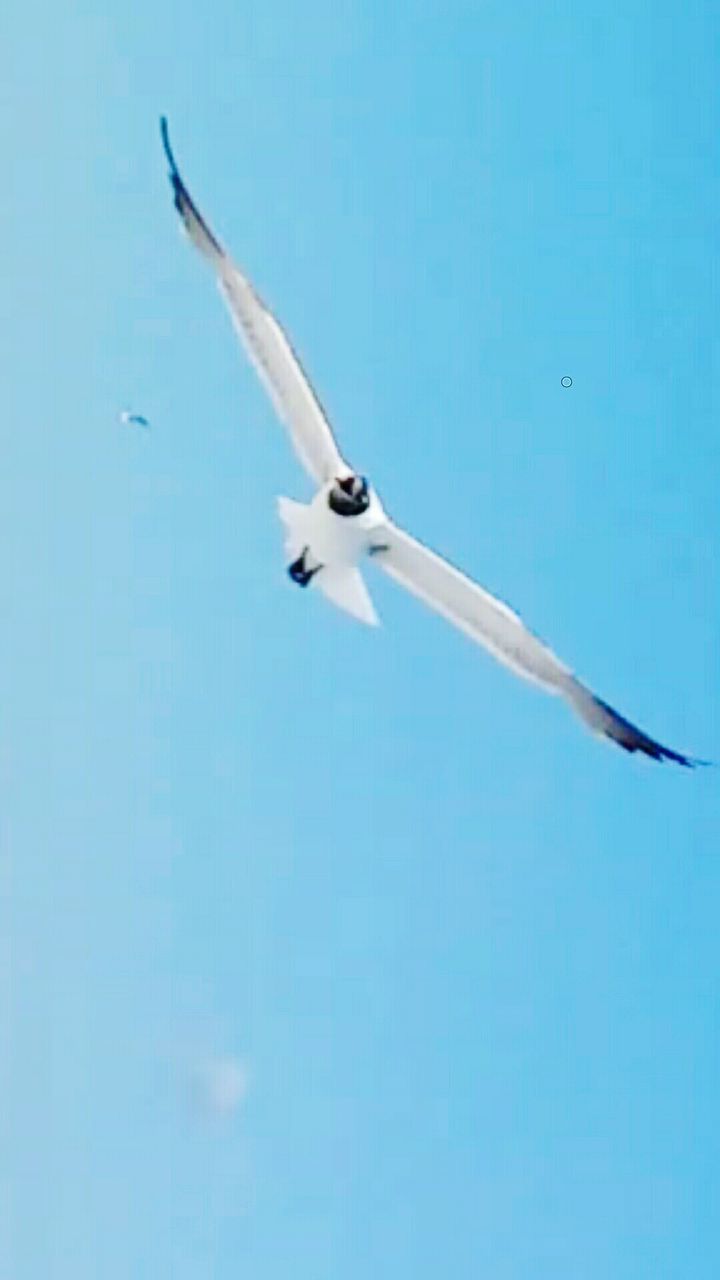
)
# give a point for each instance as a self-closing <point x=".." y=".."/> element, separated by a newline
<point x="339" y="540"/>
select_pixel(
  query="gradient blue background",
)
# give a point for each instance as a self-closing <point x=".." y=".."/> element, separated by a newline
<point x="467" y="954"/>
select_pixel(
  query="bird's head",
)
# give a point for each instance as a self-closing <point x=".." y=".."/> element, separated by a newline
<point x="349" y="496"/>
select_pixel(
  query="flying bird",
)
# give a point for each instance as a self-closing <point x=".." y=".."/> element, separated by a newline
<point x="327" y="539"/>
<point x="130" y="419"/>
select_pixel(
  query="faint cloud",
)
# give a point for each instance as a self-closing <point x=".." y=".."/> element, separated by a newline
<point x="212" y="1077"/>
<point x="223" y="1084"/>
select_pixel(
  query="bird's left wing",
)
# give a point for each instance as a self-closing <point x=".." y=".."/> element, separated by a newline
<point x="492" y="624"/>
<point x="266" y="343"/>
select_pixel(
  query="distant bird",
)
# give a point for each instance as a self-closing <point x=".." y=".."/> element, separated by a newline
<point x="327" y="539"/>
<point x="134" y="419"/>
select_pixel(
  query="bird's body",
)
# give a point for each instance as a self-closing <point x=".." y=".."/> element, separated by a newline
<point x="345" y="524"/>
<point x="326" y="548"/>
<point x="338" y="541"/>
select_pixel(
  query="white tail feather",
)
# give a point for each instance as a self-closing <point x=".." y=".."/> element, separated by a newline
<point x="346" y="588"/>
<point x="343" y="585"/>
<point x="293" y="515"/>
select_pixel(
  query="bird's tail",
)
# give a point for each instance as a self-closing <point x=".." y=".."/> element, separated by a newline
<point x="346" y="588"/>
<point x="343" y="585"/>
<point x="293" y="516"/>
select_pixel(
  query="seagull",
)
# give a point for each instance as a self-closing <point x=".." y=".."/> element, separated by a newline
<point x="328" y="539"/>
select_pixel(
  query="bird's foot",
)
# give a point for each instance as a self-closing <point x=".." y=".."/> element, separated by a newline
<point x="299" y="571"/>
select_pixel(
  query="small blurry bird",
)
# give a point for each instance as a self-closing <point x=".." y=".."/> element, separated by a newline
<point x="133" y="419"/>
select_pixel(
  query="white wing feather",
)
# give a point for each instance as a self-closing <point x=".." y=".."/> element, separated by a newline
<point x="492" y="624"/>
<point x="266" y="343"/>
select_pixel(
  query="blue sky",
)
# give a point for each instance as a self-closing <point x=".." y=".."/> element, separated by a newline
<point x="461" y="957"/>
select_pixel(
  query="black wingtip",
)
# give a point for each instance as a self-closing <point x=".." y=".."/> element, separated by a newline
<point x="195" y="224"/>
<point x="165" y="135"/>
<point x="631" y="739"/>
<point x="181" y="196"/>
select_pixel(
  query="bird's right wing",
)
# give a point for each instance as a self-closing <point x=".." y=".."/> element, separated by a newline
<point x="484" y="618"/>
<point x="265" y="341"/>
<point x="489" y="622"/>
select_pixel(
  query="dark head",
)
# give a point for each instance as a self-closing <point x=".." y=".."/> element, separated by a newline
<point x="349" y="496"/>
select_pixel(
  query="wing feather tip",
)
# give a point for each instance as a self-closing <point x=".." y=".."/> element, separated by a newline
<point x="176" y="181"/>
<point x="193" y="221"/>
<point x="608" y="722"/>
<point x="167" y="148"/>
